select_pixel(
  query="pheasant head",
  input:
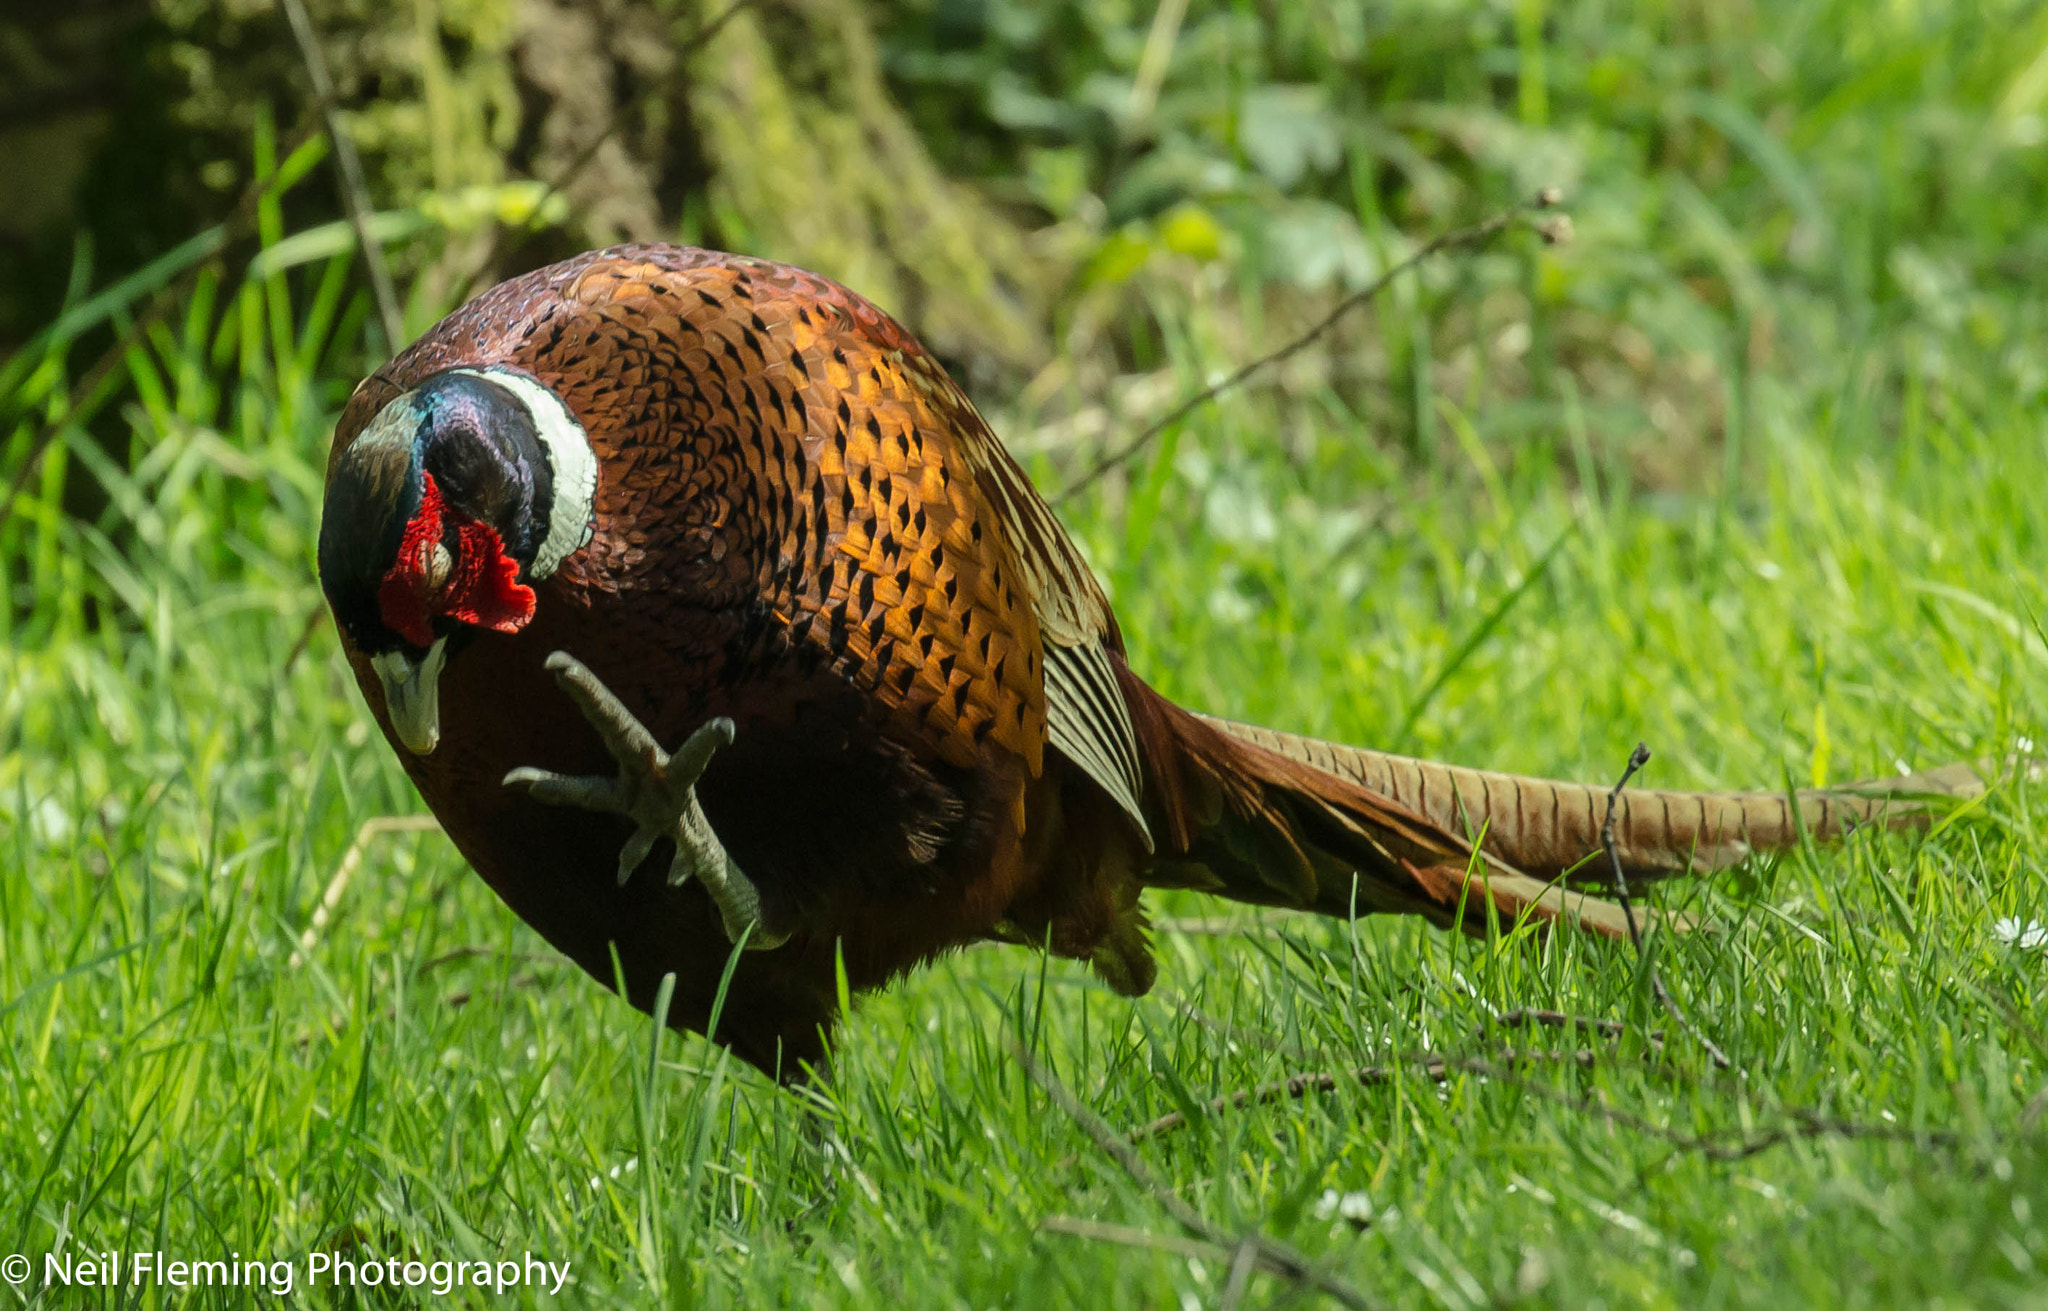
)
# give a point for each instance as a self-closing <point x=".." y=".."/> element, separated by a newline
<point x="457" y="496"/>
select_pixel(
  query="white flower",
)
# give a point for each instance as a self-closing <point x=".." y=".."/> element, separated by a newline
<point x="2029" y="938"/>
<point x="1355" y="1207"/>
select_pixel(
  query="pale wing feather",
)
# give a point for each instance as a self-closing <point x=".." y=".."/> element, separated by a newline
<point x="1087" y="720"/>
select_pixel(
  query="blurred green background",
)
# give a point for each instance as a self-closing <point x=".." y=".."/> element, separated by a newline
<point x="1045" y="191"/>
<point x="1751" y="469"/>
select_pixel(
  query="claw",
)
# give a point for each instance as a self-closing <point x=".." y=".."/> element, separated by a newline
<point x="691" y="758"/>
<point x="658" y="793"/>
<point x="589" y="792"/>
<point x="635" y="852"/>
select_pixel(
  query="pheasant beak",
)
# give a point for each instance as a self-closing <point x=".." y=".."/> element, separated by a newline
<point x="412" y="696"/>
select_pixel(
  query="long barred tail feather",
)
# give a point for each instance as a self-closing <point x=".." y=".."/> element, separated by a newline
<point x="1547" y="829"/>
<point x="1276" y="819"/>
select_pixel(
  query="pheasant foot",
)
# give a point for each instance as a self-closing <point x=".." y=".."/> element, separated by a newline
<point x="658" y="792"/>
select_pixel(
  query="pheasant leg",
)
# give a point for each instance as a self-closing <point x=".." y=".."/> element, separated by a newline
<point x="658" y="792"/>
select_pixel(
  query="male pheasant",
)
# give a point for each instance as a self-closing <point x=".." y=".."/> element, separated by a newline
<point x="728" y="503"/>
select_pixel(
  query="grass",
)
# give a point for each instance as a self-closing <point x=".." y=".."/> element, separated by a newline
<point x="430" y="1081"/>
<point x="426" y="1081"/>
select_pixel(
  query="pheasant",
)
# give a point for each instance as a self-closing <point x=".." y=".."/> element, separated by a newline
<point x="657" y="495"/>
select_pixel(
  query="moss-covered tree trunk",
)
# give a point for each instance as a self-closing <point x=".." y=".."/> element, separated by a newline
<point x="766" y="128"/>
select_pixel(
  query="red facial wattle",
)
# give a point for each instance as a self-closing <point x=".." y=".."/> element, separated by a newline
<point x="482" y="585"/>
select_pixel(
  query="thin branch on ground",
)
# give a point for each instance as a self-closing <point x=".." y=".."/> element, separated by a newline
<point x="1132" y="1236"/>
<point x="371" y="829"/>
<point x="1619" y="879"/>
<point x="461" y="997"/>
<point x="1474" y="235"/>
<point x="314" y="615"/>
<point x="1242" y="1263"/>
<point x="1273" y="1255"/>
<point x="1244" y="1259"/>
<point x="1636" y="760"/>
<point x="1525" y="1017"/>
<point x="485" y="953"/>
<point x="348" y="166"/>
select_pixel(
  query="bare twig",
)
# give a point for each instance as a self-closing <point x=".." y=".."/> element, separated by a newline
<point x="1273" y="1255"/>
<point x="355" y="191"/>
<point x="1636" y="760"/>
<point x="1473" y="235"/>
<point x="1132" y="1236"/>
<point x="350" y="859"/>
<point x="461" y="997"/>
<point x="1242" y="1263"/>
<point x="1524" y="1017"/>
<point x="485" y="953"/>
<point x="311" y="625"/>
